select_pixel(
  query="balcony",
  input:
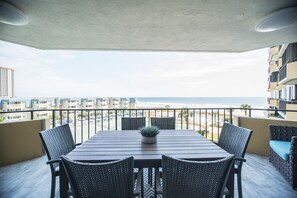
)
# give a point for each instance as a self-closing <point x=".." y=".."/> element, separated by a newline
<point x="288" y="105"/>
<point x="273" y="54"/>
<point x="272" y="86"/>
<point x="208" y="122"/>
<point x="288" y="74"/>
<point x="288" y="71"/>
<point x="273" y="102"/>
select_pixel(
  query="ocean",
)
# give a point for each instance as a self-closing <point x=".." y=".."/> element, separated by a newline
<point x="255" y="102"/>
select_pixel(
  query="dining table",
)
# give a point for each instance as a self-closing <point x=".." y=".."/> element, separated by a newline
<point x="106" y="146"/>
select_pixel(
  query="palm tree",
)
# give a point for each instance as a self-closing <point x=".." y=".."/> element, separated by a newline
<point x="186" y="114"/>
<point x="245" y="107"/>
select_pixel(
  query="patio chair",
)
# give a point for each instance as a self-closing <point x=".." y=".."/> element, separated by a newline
<point x="129" y="123"/>
<point x="56" y="141"/>
<point x="163" y="123"/>
<point x="183" y="178"/>
<point x="92" y="180"/>
<point x="235" y="140"/>
<point x="283" y="151"/>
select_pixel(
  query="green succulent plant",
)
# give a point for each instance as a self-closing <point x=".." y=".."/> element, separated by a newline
<point x="150" y="131"/>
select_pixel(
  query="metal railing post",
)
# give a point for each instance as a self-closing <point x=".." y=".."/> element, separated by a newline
<point x="32" y="115"/>
<point x="54" y="118"/>
<point x="231" y="119"/>
<point x="116" y="120"/>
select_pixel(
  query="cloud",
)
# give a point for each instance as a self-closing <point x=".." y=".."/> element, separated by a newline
<point x="96" y="73"/>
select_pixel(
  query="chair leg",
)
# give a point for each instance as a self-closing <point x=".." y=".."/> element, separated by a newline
<point x="239" y="185"/>
<point x="53" y="188"/>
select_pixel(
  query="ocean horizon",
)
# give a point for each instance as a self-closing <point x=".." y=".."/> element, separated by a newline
<point x="259" y="102"/>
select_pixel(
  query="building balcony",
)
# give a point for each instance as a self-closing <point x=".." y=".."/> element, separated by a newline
<point x="273" y="86"/>
<point x="288" y="73"/>
<point x="273" y="54"/>
<point x="273" y="102"/>
<point x="272" y="68"/>
<point x="291" y="106"/>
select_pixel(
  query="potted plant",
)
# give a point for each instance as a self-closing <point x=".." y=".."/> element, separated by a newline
<point x="149" y="134"/>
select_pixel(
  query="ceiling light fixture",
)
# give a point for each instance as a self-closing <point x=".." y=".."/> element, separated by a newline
<point x="277" y="20"/>
<point x="12" y="15"/>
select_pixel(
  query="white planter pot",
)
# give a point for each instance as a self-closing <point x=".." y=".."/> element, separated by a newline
<point x="149" y="140"/>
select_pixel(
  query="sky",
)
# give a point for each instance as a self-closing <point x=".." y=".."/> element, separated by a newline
<point x="61" y="73"/>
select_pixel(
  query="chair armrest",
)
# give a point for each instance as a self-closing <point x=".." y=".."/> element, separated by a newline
<point x="139" y="181"/>
<point x="240" y="159"/>
<point x="77" y="144"/>
<point x="53" y="161"/>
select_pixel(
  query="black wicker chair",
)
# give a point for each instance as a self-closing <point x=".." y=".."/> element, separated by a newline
<point x="182" y="178"/>
<point x="95" y="180"/>
<point x="235" y="140"/>
<point x="163" y="123"/>
<point x="57" y="141"/>
<point x="288" y="168"/>
<point x="129" y="123"/>
<point x="133" y="123"/>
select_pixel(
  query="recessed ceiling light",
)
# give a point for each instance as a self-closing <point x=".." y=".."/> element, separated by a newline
<point x="12" y="15"/>
<point x="277" y="20"/>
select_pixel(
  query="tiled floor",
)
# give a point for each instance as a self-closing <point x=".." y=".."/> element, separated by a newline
<point x="32" y="179"/>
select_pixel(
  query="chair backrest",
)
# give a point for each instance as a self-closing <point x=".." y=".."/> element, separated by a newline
<point x="57" y="141"/>
<point x="133" y="123"/>
<point x="92" y="180"/>
<point x="282" y="133"/>
<point x="234" y="140"/>
<point x="182" y="178"/>
<point x="163" y="123"/>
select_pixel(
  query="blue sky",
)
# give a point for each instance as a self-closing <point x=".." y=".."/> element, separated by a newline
<point x="60" y="73"/>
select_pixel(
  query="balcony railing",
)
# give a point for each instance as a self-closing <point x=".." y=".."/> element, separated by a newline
<point x="86" y="122"/>
<point x="290" y="55"/>
<point x="283" y="73"/>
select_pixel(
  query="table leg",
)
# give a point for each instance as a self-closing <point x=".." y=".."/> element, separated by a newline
<point x="230" y="182"/>
<point x="63" y="182"/>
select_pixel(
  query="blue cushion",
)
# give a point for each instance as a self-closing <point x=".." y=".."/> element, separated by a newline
<point x="282" y="148"/>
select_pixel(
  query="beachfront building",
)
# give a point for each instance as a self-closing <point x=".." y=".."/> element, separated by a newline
<point x="282" y="81"/>
<point x="102" y="103"/>
<point x="69" y="103"/>
<point x="124" y="103"/>
<point x="132" y="103"/>
<point x="6" y="82"/>
<point x="41" y="104"/>
<point x="7" y="105"/>
<point x="114" y="103"/>
<point x="87" y="103"/>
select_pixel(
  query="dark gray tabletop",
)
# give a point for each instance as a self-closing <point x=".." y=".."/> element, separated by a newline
<point x="114" y="145"/>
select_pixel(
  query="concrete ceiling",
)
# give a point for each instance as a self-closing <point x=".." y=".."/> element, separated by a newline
<point x="147" y="25"/>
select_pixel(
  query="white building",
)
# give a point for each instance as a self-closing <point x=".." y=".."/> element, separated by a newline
<point x="6" y="82"/>
<point x="87" y="103"/>
<point x="41" y="104"/>
<point x="114" y="103"/>
<point x="8" y="105"/>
